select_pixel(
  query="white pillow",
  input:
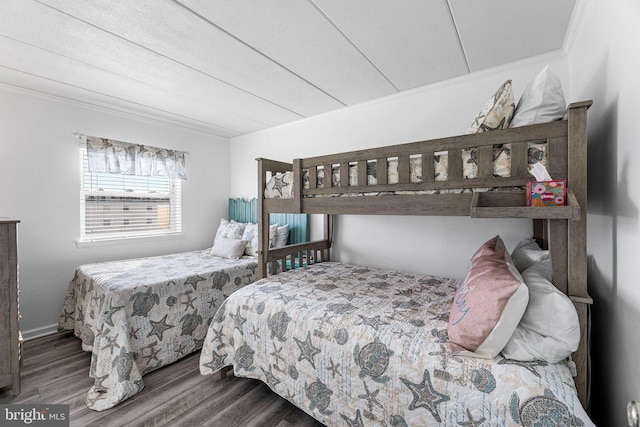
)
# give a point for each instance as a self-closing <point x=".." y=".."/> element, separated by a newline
<point x="228" y="248"/>
<point x="251" y="236"/>
<point x="549" y="329"/>
<point x="273" y="234"/>
<point x="542" y="101"/>
<point x="230" y="229"/>
<point x="282" y="234"/>
<point x="526" y="253"/>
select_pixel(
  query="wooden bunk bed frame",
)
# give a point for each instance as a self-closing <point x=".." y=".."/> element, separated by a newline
<point x="562" y="230"/>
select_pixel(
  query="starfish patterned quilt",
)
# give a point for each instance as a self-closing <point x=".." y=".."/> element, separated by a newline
<point x="138" y="315"/>
<point x="359" y="346"/>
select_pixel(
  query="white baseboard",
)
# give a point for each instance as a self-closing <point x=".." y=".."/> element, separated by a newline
<point x="39" y="332"/>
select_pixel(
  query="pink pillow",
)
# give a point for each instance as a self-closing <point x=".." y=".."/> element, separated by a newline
<point x="488" y="305"/>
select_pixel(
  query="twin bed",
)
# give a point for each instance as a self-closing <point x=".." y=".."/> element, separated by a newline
<point x="138" y="315"/>
<point x="354" y="345"/>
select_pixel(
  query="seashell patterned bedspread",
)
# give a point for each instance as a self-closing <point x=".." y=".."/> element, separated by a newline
<point x="366" y="347"/>
<point x="138" y="315"/>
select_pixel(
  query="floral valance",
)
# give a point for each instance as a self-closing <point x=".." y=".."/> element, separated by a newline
<point x="111" y="156"/>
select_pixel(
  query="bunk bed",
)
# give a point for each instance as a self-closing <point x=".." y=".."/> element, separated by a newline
<point x="138" y="315"/>
<point x="343" y="342"/>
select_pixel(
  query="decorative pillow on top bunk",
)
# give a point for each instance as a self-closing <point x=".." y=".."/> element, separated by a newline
<point x="542" y="101"/>
<point x="488" y="305"/>
<point x="279" y="186"/>
<point x="497" y="112"/>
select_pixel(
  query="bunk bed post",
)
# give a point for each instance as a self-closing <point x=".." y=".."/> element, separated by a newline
<point x="328" y="233"/>
<point x="577" y="238"/>
<point x="263" y="221"/>
<point x="297" y="179"/>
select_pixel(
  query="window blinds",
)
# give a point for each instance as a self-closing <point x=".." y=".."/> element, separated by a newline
<point x="116" y="206"/>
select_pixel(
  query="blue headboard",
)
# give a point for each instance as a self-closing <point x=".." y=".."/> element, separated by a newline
<point x="242" y="210"/>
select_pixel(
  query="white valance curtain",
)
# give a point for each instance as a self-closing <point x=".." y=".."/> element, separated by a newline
<point x="111" y="156"/>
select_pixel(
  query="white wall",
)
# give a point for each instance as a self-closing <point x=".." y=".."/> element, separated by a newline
<point x="434" y="245"/>
<point x="604" y="66"/>
<point x="40" y="181"/>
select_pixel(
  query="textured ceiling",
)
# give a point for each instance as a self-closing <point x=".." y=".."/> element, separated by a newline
<point x="230" y="67"/>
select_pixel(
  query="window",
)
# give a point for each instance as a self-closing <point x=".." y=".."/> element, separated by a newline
<point x="116" y="206"/>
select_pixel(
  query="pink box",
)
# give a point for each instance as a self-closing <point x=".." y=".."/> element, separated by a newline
<point x="547" y="193"/>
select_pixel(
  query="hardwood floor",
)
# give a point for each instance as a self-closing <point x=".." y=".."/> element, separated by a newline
<point x="55" y="370"/>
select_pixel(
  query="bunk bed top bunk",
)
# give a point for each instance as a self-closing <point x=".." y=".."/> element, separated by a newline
<point x="407" y="179"/>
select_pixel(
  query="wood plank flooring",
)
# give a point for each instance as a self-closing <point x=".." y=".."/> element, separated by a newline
<point x="55" y="370"/>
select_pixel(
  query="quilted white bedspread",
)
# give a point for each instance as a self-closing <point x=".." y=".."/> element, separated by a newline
<point x="366" y="347"/>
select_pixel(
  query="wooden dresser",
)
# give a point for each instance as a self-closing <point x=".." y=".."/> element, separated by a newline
<point x="10" y="339"/>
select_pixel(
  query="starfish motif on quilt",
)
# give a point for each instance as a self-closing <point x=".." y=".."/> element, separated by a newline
<point x="217" y="335"/>
<point x="133" y="333"/>
<point x="96" y="298"/>
<point x="307" y="350"/>
<point x="90" y="401"/>
<point x="255" y="332"/>
<point x="149" y="352"/>
<point x="109" y="314"/>
<point x="445" y="357"/>
<point x="286" y="298"/>
<point x="348" y="297"/>
<point x="182" y="350"/>
<point x="98" y="386"/>
<point x="374" y="322"/>
<point x="402" y="333"/>
<point x="370" y="397"/>
<point x="158" y="328"/>
<point x="290" y="396"/>
<point x="530" y="366"/>
<point x="269" y="378"/>
<point x="217" y="361"/>
<point x="333" y="367"/>
<point x="111" y="343"/>
<point x="356" y="422"/>
<point x="277" y="353"/>
<point x="66" y="315"/>
<point x="193" y="281"/>
<point x="189" y="303"/>
<point x="471" y="422"/>
<point x="425" y="396"/>
<point x="326" y="318"/>
<point x="279" y="184"/>
<point x="199" y="342"/>
<point x="238" y="320"/>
